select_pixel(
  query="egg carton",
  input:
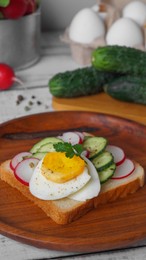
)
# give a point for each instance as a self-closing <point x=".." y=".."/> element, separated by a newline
<point x="119" y="4"/>
<point x="111" y="10"/>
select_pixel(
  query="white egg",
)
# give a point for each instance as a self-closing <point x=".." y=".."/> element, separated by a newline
<point x="45" y="189"/>
<point x="135" y="10"/>
<point x="125" y="32"/>
<point x="92" y="188"/>
<point x="86" y="26"/>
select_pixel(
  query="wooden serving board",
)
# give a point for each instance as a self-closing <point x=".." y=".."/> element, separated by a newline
<point x="104" y="104"/>
<point x="115" y="225"/>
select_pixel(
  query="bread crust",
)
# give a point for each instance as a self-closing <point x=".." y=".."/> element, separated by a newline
<point x="66" y="210"/>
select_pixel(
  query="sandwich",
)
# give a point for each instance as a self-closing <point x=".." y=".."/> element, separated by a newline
<point x="73" y="173"/>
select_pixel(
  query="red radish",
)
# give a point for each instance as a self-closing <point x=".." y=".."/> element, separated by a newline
<point x="81" y="135"/>
<point x="117" y="152"/>
<point x="85" y="153"/>
<point x="70" y="137"/>
<point x="31" y="7"/>
<point x="18" y="158"/>
<point x="15" y="9"/>
<point x="7" y="77"/>
<point x="25" y="169"/>
<point x="124" y="170"/>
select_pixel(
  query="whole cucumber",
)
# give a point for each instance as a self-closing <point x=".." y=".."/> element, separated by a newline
<point x="79" y="82"/>
<point x="127" y="88"/>
<point x="120" y="59"/>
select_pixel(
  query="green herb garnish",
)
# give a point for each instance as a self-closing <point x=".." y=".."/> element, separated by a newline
<point x="70" y="150"/>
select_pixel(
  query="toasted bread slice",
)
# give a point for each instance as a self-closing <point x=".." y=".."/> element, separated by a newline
<point x="66" y="210"/>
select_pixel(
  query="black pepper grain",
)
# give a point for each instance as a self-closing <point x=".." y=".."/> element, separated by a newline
<point x="39" y="102"/>
<point x="27" y="108"/>
<point x="30" y="103"/>
<point x="20" y="98"/>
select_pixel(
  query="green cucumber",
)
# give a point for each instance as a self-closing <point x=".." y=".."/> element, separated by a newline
<point x="127" y="88"/>
<point x="39" y="155"/>
<point x="49" y="147"/>
<point x="44" y="141"/>
<point x="107" y="173"/>
<point x="120" y="59"/>
<point x="79" y="82"/>
<point x="95" y="145"/>
<point x="103" y="161"/>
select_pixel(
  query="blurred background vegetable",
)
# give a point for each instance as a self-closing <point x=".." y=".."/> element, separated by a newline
<point x="15" y="9"/>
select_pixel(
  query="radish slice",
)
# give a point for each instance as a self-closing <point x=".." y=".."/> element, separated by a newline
<point x="86" y="153"/>
<point x="117" y="152"/>
<point x="124" y="169"/>
<point x="71" y="137"/>
<point x="81" y="135"/>
<point x="25" y="169"/>
<point x="18" y="158"/>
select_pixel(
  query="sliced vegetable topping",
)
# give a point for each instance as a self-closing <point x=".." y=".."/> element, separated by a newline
<point x="81" y="135"/>
<point x="18" y="158"/>
<point x="71" y="137"/>
<point x="107" y="173"/>
<point x="95" y="145"/>
<point x="117" y="152"/>
<point x="24" y="170"/>
<point x="85" y="153"/>
<point x="124" y="169"/>
<point x="50" y="140"/>
<point x="39" y="155"/>
<point x="49" y="147"/>
<point x="103" y="161"/>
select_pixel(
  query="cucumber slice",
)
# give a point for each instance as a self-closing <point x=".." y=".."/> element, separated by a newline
<point x="49" y="147"/>
<point x="103" y="161"/>
<point x="95" y="145"/>
<point x="44" y="141"/>
<point x="39" y="155"/>
<point x="107" y="173"/>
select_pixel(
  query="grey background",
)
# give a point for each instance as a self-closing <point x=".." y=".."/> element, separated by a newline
<point x="57" y="14"/>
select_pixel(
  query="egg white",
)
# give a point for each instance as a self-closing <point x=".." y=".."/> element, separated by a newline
<point x="45" y="189"/>
<point x="92" y="188"/>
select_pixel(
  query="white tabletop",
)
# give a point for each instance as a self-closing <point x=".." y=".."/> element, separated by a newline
<point x="55" y="57"/>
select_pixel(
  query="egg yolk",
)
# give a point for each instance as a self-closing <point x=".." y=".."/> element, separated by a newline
<point x="59" y="168"/>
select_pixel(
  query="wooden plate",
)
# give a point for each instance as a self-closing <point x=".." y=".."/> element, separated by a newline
<point x="117" y="225"/>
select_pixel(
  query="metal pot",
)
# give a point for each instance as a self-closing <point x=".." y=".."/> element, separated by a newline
<point x="20" y="41"/>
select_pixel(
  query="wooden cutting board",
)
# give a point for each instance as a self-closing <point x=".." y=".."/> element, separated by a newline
<point x="104" y="104"/>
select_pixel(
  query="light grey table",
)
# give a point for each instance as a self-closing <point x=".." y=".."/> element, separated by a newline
<point x="55" y="57"/>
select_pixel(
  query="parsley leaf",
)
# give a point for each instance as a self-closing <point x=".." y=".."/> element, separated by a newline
<point x="78" y="148"/>
<point x="70" y="150"/>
